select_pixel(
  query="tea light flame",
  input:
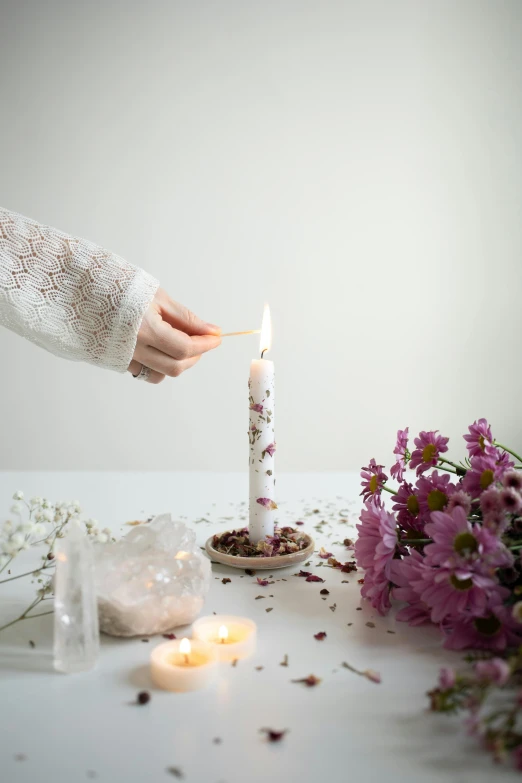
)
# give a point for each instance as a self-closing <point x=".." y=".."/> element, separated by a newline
<point x="185" y="648"/>
<point x="265" y="343"/>
<point x="223" y="634"/>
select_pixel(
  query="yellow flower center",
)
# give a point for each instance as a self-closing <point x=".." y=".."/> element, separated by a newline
<point x="488" y="626"/>
<point x="429" y="452"/>
<point x="437" y="500"/>
<point x="482" y="442"/>
<point x="374" y="484"/>
<point x="486" y="479"/>
<point x="461" y="584"/>
<point x="412" y="504"/>
<point x="465" y="544"/>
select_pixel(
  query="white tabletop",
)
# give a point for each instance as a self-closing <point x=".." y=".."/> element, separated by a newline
<point x="72" y="728"/>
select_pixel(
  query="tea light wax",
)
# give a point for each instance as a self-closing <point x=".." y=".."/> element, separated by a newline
<point x="183" y="665"/>
<point x="233" y="638"/>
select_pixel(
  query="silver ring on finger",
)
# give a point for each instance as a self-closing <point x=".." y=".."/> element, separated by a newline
<point x="143" y="374"/>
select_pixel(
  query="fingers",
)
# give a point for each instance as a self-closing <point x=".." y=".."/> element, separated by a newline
<point x="181" y="346"/>
<point x="161" y="363"/>
<point x="180" y="317"/>
<point x="154" y="377"/>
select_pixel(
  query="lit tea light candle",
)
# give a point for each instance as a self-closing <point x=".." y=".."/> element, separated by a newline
<point x="233" y="638"/>
<point x="183" y="665"/>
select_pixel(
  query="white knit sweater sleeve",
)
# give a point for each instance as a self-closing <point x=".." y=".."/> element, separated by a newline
<point x="69" y="296"/>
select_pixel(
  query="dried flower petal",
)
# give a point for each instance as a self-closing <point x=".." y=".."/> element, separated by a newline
<point x="143" y="697"/>
<point x="259" y="596"/>
<point x="372" y="675"/>
<point x="320" y="636"/>
<point x="262" y="582"/>
<point x="169" y="635"/>
<point x="309" y="681"/>
<point x="299" y="523"/>
<point x="175" y="771"/>
<point x="370" y="625"/>
<point x="267" y="503"/>
<point x="324" y="591"/>
<point x="270" y="449"/>
<point x="270" y="608"/>
<point x="284" y="662"/>
<point x="314" y="578"/>
<point x="250" y="572"/>
<point x="226" y="580"/>
<point x="304" y="573"/>
<point x="257" y="407"/>
<point x="333" y="607"/>
<point x="323" y="554"/>
<point x="274" y="736"/>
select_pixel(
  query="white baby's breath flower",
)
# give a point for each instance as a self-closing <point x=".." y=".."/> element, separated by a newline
<point x="7" y="526"/>
<point x="46" y="515"/>
<point x="38" y="530"/>
<point x="45" y="503"/>
<point x="36" y="501"/>
<point x="102" y="538"/>
<point x="18" y="495"/>
<point x="16" y="508"/>
<point x="17" y="539"/>
<point x="90" y="523"/>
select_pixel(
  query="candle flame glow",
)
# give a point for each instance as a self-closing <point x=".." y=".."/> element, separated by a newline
<point x="184" y="647"/>
<point x="223" y="633"/>
<point x="265" y="342"/>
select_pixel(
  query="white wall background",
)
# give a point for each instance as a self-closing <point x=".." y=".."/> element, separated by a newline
<point x="358" y="165"/>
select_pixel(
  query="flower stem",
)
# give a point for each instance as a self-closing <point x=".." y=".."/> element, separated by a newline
<point x="453" y="465"/>
<point x="509" y="451"/>
<point x="391" y="491"/>
<point x="5" y="566"/>
<point x="448" y="470"/>
<point x="37" y="572"/>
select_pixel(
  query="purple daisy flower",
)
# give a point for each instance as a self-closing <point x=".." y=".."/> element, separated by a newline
<point x="457" y="544"/>
<point x="403" y="573"/>
<point x="453" y="592"/>
<point x="479" y="436"/>
<point x="510" y="500"/>
<point x="401" y="451"/>
<point x="373" y="480"/>
<point x="406" y="504"/>
<point x="459" y="498"/>
<point x="429" y="447"/>
<point x="433" y="492"/>
<point x="482" y="474"/>
<point x="495" y="630"/>
<point x="377" y="541"/>
<point x="376" y="589"/>
<point x="512" y="480"/>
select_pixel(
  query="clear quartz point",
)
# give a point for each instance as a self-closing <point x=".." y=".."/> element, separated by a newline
<point x="76" y="629"/>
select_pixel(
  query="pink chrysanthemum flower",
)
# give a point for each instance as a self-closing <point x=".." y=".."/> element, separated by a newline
<point x="429" y="447"/>
<point x="479" y="436"/>
<point x="373" y="480"/>
<point x="434" y="492"/>
<point x="377" y="541"/>
<point x="495" y="630"/>
<point x="403" y="573"/>
<point x="484" y="471"/>
<point x="447" y="678"/>
<point x="376" y="589"/>
<point x="406" y="504"/>
<point x="513" y="480"/>
<point x="459" y="498"/>
<point x="451" y="592"/>
<point x="401" y="451"/>
<point x="510" y="501"/>
<point x="457" y="544"/>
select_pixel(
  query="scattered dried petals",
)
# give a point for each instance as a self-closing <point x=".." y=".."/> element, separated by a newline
<point x="320" y="636"/>
<point x="299" y="523"/>
<point x="270" y="608"/>
<point x="226" y="580"/>
<point x="267" y="503"/>
<point x="249" y="572"/>
<point x="262" y="582"/>
<point x="324" y="591"/>
<point x="370" y="674"/>
<point x="169" y="635"/>
<point x="390" y="631"/>
<point x="274" y="736"/>
<point x="135" y="522"/>
<point x="143" y="697"/>
<point x="284" y="662"/>
<point x="259" y="668"/>
<point x="309" y="681"/>
<point x="333" y="607"/>
<point x="304" y="573"/>
<point x="370" y="625"/>
<point x="348" y="542"/>
<point x="259" y="596"/>
<point x="257" y="407"/>
<point x="32" y="645"/>
<point x="145" y="640"/>
<point x="323" y="554"/>
<point x="270" y="449"/>
<point x="234" y="662"/>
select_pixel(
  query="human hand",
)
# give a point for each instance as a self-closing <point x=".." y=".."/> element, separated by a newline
<point x="171" y="339"/>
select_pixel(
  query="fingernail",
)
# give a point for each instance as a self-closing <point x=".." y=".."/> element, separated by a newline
<point x="213" y="328"/>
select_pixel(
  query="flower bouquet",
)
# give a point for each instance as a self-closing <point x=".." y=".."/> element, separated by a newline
<point x="449" y="553"/>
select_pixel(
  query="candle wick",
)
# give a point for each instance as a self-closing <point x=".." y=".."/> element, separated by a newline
<point x="263" y="351"/>
<point x="222" y="641"/>
<point x="186" y="659"/>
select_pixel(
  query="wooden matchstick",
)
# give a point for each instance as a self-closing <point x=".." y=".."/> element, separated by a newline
<point x="233" y="334"/>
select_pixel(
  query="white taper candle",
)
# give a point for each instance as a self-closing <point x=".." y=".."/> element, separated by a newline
<point x="261" y="435"/>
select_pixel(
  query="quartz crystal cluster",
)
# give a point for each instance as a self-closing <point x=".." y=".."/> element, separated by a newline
<point x="152" y="580"/>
